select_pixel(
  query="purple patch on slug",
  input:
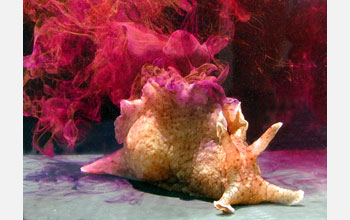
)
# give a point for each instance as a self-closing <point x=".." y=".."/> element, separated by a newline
<point x="229" y="100"/>
<point x="199" y="93"/>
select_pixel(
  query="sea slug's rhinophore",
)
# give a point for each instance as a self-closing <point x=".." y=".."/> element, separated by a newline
<point x="184" y="134"/>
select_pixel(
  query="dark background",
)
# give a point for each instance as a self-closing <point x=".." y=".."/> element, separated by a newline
<point x="261" y="77"/>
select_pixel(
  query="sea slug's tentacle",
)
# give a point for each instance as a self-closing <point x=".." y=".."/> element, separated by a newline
<point x="237" y="125"/>
<point x="260" y="145"/>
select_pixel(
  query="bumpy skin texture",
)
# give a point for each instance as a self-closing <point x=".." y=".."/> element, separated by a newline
<point x="185" y="135"/>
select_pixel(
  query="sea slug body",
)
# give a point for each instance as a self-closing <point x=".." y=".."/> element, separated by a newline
<point x="184" y="134"/>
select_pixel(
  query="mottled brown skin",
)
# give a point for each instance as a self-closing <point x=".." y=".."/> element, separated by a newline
<point x="246" y="185"/>
<point x="201" y="150"/>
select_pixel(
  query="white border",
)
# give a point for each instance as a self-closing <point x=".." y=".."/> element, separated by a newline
<point x="338" y="111"/>
<point x="11" y="165"/>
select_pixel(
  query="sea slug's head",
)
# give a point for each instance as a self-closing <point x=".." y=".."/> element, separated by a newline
<point x="232" y="135"/>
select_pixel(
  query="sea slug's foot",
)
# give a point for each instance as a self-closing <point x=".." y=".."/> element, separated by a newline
<point x="223" y="207"/>
<point x="299" y="195"/>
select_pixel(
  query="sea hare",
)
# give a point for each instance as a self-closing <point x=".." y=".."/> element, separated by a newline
<point x="184" y="134"/>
